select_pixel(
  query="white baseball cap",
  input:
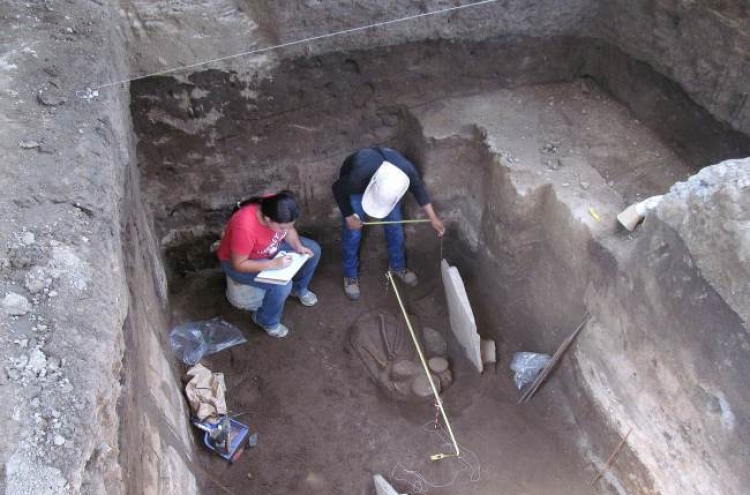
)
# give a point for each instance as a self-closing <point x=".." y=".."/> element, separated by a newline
<point x="386" y="188"/>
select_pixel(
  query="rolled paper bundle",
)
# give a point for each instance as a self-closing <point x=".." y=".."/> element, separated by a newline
<point x="633" y="214"/>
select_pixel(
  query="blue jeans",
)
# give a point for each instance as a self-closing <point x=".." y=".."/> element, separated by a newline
<point x="269" y="314"/>
<point x="350" y="239"/>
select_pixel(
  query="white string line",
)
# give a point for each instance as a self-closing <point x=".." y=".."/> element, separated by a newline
<point x="297" y="42"/>
<point x="467" y="463"/>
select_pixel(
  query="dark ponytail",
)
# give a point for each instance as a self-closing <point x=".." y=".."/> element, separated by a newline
<point x="280" y="208"/>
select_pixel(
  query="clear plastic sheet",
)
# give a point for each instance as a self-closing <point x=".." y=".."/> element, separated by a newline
<point x="527" y="366"/>
<point x="193" y="340"/>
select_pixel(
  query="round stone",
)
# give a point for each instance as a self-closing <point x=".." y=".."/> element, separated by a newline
<point x="446" y="379"/>
<point x="437" y="364"/>
<point x="404" y="369"/>
<point x="434" y="343"/>
<point x="421" y="386"/>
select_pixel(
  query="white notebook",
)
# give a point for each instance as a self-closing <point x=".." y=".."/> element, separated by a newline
<point x="284" y="275"/>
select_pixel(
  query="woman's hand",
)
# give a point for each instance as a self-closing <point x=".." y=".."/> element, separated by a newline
<point x="280" y="262"/>
<point x="307" y="251"/>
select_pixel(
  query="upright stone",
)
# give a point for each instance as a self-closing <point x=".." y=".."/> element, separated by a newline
<point x="461" y="316"/>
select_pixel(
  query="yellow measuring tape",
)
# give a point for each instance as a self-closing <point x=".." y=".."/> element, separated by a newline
<point x="438" y="401"/>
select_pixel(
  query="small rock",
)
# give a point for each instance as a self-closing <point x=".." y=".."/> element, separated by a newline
<point x="611" y="183"/>
<point x="14" y="374"/>
<point x="446" y="379"/>
<point x="434" y="343"/>
<point x="103" y="449"/>
<point x="27" y="239"/>
<point x="549" y="148"/>
<point x="437" y="364"/>
<point x="56" y="414"/>
<point x="487" y="350"/>
<point x="59" y="440"/>
<point x="29" y="145"/>
<point x="47" y="148"/>
<point x="15" y="304"/>
<point x="585" y="185"/>
<point x="421" y="386"/>
<point x="49" y="100"/>
<point x="404" y="369"/>
<point x="37" y="362"/>
<point x="35" y="280"/>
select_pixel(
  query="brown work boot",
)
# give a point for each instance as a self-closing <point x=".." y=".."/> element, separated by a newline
<point x="407" y="276"/>
<point x="351" y="288"/>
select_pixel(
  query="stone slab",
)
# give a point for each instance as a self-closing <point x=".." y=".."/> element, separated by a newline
<point x="462" y="320"/>
<point x="382" y="487"/>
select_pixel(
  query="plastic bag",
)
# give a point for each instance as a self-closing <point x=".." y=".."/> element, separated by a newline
<point x="193" y="340"/>
<point x="527" y="366"/>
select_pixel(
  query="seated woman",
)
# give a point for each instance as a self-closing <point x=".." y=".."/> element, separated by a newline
<point x="258" y="229"/>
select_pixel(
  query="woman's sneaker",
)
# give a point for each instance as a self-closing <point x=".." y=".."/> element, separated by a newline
<point x="351" y="288"/>
<point x="308" y="298"/>
<point x="407" y="276"/>
<point x="278" y="331"/>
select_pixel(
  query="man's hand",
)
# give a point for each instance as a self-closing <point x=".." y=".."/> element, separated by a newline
<point x="437" y="224"/>
<point x="435" y="221"/>
<point x="353" y="222"/>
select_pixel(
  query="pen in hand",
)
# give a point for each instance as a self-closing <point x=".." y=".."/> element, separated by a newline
<point x="281" y="261"/>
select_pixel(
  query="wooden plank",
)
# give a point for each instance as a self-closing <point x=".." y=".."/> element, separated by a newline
<point x="531" y="390"/>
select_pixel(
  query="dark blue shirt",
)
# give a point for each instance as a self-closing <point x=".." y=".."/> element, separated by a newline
<point x="358" y="169"/>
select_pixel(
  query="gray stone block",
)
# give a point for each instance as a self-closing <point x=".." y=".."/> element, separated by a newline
<point x="382" y="487"/>
<point x="462" y="320"/>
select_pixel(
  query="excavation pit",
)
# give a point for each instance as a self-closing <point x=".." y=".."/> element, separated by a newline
<point x="131" y="127"/>
<point x="529" y="151"/>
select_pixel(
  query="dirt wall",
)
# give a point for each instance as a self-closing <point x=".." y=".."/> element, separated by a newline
<point x="665" y="354"/>
<point x="64" y="158"/>
<point x="157" y="444"/>
<point x="183" y="33"/>
<point x="702" y="46"/>
<point x="68" y="318"/>
<point x="217" y="138"/>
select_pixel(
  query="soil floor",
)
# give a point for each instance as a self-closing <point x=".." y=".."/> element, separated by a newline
<point x="324" y="426"/>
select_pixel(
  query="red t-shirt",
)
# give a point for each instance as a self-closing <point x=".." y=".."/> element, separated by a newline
<point x="245" y="235"/>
